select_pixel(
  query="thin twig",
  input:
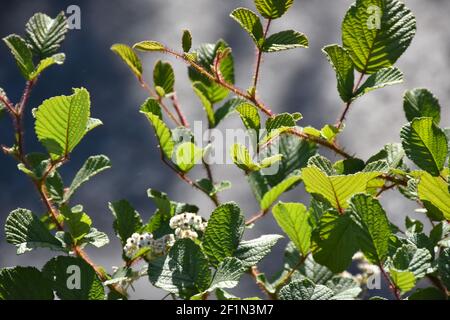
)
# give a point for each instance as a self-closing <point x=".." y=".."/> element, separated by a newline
<point x="391" y="284"/>
<point x="177" y="107"/>
<point x="349" y="103"/>
<point x="259" y="54"/>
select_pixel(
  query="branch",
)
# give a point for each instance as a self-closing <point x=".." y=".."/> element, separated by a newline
<point x="256" y="217"/>
<point x="259" y="53"/>
<point x="288" y="276"/>
<point x="254" y="272"/>
<point x="177" y="107"/>
<point x="218" y="79"/>
<point x="391" y="284"/>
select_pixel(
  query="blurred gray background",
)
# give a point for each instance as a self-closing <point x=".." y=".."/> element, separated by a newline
<point x="298" y="80"/>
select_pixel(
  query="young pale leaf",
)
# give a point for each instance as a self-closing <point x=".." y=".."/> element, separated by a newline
<point x="45" y="34"/>
<point x="377" y="32"/>
<point x="380" y="79"/>
<point x="251" y="252"/>
<point x="153" y="113"/>
<point x="273" y="194"/>
<point x="61" y="122"/>
<point x="58" y="58"/>
<point x="127" y="219"/>
<point x="249" y="115"/>
<point x="223" y="233"/>
<point x="342" y="64"/>
<point x="164" y="77"/>
<point x="425" y="144"/>
<point x="305" y="290"/>
<point x="250" y="22"/>
<point x="293" y="218"/>
<point x="403" y="279"/>
<point x="149" y="46"/>
<point x="242" y="159"/>
<point x="335" y="241"/>
<point x="285" y="40"/>
<point x="375" y="230"/>
<point x="184" y="271"/>
<point x="273" y="9"/>
<point x="420" y="103"/>
<point x="337" y="190"/>
<point x="62" y="270"/>
<point x="187" y="155"/>
<point x="93" y="166"/>
<point x="435" y="191"/>
<point x="129" y="57"/>
<point x="96" y="238"/>
<point x="22" y="54"/>
<point x="24" y="283"/>
<point x="26" y="231"/>
<point x="186" y="41"/>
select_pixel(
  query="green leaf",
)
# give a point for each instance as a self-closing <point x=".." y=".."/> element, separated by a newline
<point x="404" y="280"/>
<point x="227" y="275"/>
<point x="92" y="166"/>
<point x="206" y="55"/>
<point x="163" y="76"/>
<point x="97" y="238"/>
<point x="207" y="185"/>
<point x="251" y="252"/>
<point x="420" y="103"/>
<point x="434" y="190"/>
<point x="342" y="64"/>
<point x="282" y="120"/>
<point x="249" y="115"/>
<point x="305" y="290"/>
<point x="78" y="223"/>
<point x="295" y="155"/>
<point x="21" y="53"/>
<point x="74" y="279"/>
<point x="186" y="41"/>
<point x="250" y="22"/>
<point x="26" y="231"/>
<point x="24" y="283"/>
<point x="58" y="58"/>
<point x="375" y="227"/>
<point x="223" y="233"/>
<point x="377" y="32"/>
<point x="429" y="293"/>
<point x="202" y="92"/>
<point x="380" y="79"/>
<point x="335" y="241"/>
<point x="425" y="144"/>
<point x="127" y="220"/>
<point x="45" y="34"/>
<point x="337" y="190"/>
<point x="293" y="218"/>
<point x="129" y="57"/>
<point x="285" y="40"/>
<point x="226" y="109"/>
<point x="322" y="163"/>
<point x="444" y="267"/>
<point x="416" y="260"/>
<point x="149" y="46"/>
<point x="162" y="132"/>
<point x="273" y="9"/>
<point x="184" y="271"/>
<point x="187" y="155"/>
<point x="272" y="195"/>
<point x="61" y="122"/>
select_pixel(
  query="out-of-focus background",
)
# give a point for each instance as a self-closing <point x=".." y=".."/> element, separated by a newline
<point x="298" y="80"/>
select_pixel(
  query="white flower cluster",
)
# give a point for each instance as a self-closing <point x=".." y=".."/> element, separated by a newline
<point x="140" y="241"/>
<point x="187" y="224"/>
